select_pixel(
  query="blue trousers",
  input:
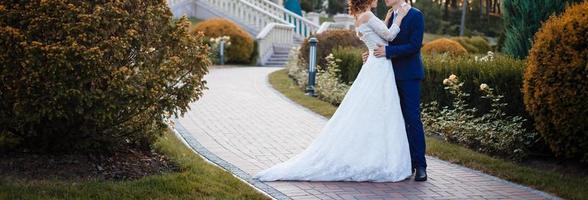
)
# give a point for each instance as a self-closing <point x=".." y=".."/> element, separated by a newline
<point x="410" y="99"/>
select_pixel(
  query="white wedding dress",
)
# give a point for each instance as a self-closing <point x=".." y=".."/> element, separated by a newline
<point x="365" y="140"/>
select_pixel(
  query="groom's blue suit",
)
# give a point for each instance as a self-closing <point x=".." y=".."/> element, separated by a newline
<point x="405" y="53"/>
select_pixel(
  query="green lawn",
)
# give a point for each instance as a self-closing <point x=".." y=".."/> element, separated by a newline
<point x="566" y="186"/>
<point x="196" y="180"/>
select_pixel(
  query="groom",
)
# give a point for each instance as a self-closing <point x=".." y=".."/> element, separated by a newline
<point x="405" y="54"/>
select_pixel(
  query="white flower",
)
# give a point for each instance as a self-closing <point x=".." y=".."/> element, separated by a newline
<point x="484" y="87"/>
<point x="446" y="82"/>
<point x="453" y="77"/>
<point x="150" y="50"/>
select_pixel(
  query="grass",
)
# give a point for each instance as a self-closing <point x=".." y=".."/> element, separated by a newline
<point x="566" y="186"/>
<point x="197" y="179"/>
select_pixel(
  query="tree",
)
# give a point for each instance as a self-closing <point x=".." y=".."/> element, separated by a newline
<point x="523" y="18"/>
<point x="336" y="6"/>
<point x="464" y="10"/>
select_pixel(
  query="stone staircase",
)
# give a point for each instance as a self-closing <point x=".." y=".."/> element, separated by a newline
<point x="279" y="57"/>
<point x="275" y="29"/>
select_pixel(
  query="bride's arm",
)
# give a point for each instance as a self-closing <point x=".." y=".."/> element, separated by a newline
<point x="380" y="28"/>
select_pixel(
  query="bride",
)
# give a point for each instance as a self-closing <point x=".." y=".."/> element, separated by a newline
<point x="365" y="139"/>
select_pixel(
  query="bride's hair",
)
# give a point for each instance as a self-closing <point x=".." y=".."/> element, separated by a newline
<point x="358" y="6"/>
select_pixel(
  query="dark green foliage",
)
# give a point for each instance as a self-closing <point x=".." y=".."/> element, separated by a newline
<point x="503" y="73"/>
<point x="350" y="63"/>
<point x="337" y="6"/>
<point x="311" y="5"/>
<point x="476" y="24"/>
<point x="88" y="76"/>
<point x="522" y="19"/>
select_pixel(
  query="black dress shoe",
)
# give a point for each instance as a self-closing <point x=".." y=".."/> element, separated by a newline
<point x="421" y="174"/>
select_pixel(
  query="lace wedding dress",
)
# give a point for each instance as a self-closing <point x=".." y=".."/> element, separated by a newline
<point x="365" y="140"/>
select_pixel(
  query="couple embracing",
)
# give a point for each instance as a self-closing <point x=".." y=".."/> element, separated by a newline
<point x="376" y="133"/>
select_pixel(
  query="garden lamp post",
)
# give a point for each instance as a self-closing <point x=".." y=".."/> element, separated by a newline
<point x="222" y="52"/>
<point x="311" y="67"/>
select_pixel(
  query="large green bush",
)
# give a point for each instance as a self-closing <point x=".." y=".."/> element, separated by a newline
<point x="523" y="18"/>
<point x="556" y="82"/>
<point x="504" y="73"/>
<point x="88" y="76"/>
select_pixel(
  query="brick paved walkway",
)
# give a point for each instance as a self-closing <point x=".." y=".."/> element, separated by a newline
<point x="244" y="126"/>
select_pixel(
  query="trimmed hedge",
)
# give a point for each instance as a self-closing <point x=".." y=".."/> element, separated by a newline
<point x="242" y="49"/>
<point x="556" y="83"/>
<point x="503" y="73"/>
<point x="93" y="76"/>
<point x="444" y="46"/>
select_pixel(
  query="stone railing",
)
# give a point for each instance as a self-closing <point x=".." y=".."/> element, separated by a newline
<point x="274" y="35"/>
<point x="302" y="27"/>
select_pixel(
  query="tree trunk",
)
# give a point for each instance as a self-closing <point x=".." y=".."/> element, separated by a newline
<point x="481" y="6"/>
<point x="446" y="14"/>
<point x="463" y="17"/>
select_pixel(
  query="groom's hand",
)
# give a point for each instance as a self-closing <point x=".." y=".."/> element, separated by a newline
<point x="380" y="51"/>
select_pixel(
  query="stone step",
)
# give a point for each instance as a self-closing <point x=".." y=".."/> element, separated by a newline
<point x="285" y="56"/>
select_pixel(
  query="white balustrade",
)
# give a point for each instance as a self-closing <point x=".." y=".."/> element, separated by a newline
<point x="275" y="25"/>
<point x="272" y="36"/>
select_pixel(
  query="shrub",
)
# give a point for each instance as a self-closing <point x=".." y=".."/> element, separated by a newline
<point x="556" y="83"/>
<point x="297" y="69"/>
<point x="328" y="41"/>
<point x="475" y="45"/>
<point x="522" y="19"/>
<point x="242" y="46"/>
<point x="350" y="63"/>
<point x="444" y="46"/>
<point x="88" y="76"/>
<point x="329" y="87"/>
<point x="503" y="72"/>
<point x="494" y="132"/>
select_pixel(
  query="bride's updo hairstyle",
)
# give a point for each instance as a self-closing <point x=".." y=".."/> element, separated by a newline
<point x="358" y="6"/>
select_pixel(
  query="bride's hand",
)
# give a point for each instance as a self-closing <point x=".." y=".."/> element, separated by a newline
<point x="403" y="11"/>
<point x="389" y="16"/>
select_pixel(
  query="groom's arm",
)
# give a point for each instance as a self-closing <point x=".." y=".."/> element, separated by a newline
<point x="415" y="41"/>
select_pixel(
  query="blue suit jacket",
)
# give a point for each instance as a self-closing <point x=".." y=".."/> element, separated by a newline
<point x="405" y="50"/>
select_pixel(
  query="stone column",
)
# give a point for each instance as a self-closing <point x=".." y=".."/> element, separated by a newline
<point x="313" y="17"/>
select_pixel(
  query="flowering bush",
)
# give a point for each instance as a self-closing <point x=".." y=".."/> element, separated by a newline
<point x="329" y="87"/>
<point x="503" y="73"/>
<point x="494" y="132"/>
<point x="296" y="68"/>
<point x="489" y="57"/>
